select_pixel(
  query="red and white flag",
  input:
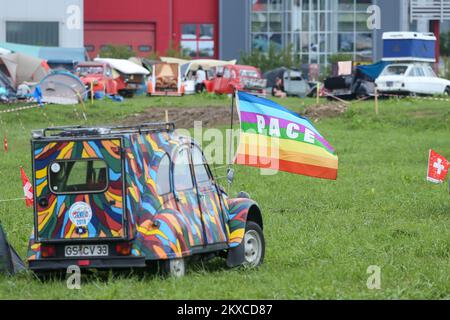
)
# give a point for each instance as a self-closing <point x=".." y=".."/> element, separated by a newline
<point x="437" y="167"/>
<point x="5" y="143"/>
<point x="27" y="189"/>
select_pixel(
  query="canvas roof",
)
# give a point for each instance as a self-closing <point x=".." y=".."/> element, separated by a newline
<point x="124" y="66"/>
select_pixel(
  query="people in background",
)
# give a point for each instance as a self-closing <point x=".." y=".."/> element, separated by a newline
<point x="278" y="89"/>
<point x="200" y="78"/>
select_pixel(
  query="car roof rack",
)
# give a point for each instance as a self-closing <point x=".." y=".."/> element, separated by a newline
<point x="81" y="131"/>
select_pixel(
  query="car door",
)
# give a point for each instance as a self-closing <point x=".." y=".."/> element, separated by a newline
<point x="218" y="79"/>
<point x="436" y="84"/>
<point x="187" y="200"/>
<point x="224" y="81"/>
<point x="414" y="80"/>
<point x="79" y="190"/>
<point x="212" y="213"/>
<point x="111" y="86"/>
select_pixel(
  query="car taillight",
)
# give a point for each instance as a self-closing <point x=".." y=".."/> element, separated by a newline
<point x="84" y="263"/>
<point x="48" y="251"/>
<point x="124" y="249"/>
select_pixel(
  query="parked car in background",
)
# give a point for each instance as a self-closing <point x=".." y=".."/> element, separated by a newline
<point x="101" y="76"/>
<point x="130" y="76"/>
<point x="293" y="81"/>
<point x="238" y="77"/>
<point x="411" y="78"/>
<point x="189" y="70"/>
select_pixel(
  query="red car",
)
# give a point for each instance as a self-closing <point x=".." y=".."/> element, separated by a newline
<point x="237" y="77"/>
<point x="100" y="74"/>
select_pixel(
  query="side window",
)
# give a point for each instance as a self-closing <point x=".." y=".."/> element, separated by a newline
<point x="163" y="176"/>
<point x="430" y="72"/>
<point x="182" y="171"/>
<point x="226" y="73"/>
<point x="108" y="72"/>
<point x="201" y="173"/>
<point x="420" y="72"/>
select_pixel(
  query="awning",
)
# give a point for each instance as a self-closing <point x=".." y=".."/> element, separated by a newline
<point x="124" y="66"/>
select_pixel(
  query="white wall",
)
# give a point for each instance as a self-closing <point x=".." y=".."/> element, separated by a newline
<point x="69" y="14"/>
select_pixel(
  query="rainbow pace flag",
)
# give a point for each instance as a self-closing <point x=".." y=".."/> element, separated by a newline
<point x="273" y="137"/>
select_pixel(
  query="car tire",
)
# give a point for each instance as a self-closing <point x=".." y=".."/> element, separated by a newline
<point x="254" y="245"/>
<point x="447" y="91"/>
<point x="175" y="268"/>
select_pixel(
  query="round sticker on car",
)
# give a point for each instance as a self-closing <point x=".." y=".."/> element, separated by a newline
<point x="80" y="213"/>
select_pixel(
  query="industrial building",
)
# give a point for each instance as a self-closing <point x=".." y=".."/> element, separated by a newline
<point x="221" y="29"/>
<point x="42" y="22"/>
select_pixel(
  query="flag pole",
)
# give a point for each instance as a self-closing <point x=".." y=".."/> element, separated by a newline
<point x="230" y="162"/>
<point x="231" y="122"/>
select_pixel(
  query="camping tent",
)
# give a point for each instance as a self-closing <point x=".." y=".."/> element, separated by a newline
<point x="272" y="76"/>
<point x="10" y="262"/>
<point x="372" y="71"/>
<point x="53" y="55"/>
<point x="5" y="83"/>
<point x="23" y="68"/>
<point x="61" y="87"/>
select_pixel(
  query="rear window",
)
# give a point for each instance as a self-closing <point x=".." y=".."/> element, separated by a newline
<point x="395" y="70"/>
<point x="249" y="73"/>
<point x="87" y="70"/>
<point x="80" y="176"/>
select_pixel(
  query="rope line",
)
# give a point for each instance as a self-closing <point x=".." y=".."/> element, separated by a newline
<point x="8" y="200"/>
<point x="19" y="108"/>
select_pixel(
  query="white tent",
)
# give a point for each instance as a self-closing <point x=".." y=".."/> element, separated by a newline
<point x="23" y="68"/>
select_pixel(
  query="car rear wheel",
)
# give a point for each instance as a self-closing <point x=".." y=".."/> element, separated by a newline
<point x="174" y="267"/>
<point x="447" y="91"/>
<point x="254" y="245"/>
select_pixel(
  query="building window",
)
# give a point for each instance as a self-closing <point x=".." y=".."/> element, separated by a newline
<point x="145" y="48"/>
<point x="197" y="40"/>
<point x="316" y="29"/>
<point x="33" y="33"/>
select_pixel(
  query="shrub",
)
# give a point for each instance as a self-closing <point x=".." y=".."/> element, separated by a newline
<point x="117" y="52"/>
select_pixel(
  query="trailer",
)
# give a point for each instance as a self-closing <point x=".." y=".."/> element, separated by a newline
<point x="165" y="80"/>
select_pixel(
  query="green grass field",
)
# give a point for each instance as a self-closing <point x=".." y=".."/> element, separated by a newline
<point x="321" y="236"/>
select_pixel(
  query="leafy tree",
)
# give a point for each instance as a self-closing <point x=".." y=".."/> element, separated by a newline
<point x="445" y="44"/>
<point x="334" y="58"/>
<point x="272" y="59"/>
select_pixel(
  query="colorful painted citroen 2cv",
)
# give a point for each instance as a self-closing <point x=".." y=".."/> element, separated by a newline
<point x="123" y="197"/>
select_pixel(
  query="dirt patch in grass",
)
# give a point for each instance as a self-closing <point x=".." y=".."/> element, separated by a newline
<point x="211" y="117"/>
<point x="420" y="114"/>
<point x="322" y="111"/>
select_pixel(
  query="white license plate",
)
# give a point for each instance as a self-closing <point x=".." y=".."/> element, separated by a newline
<point x="86" y="250"/>
<point x="389" y="84"/>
